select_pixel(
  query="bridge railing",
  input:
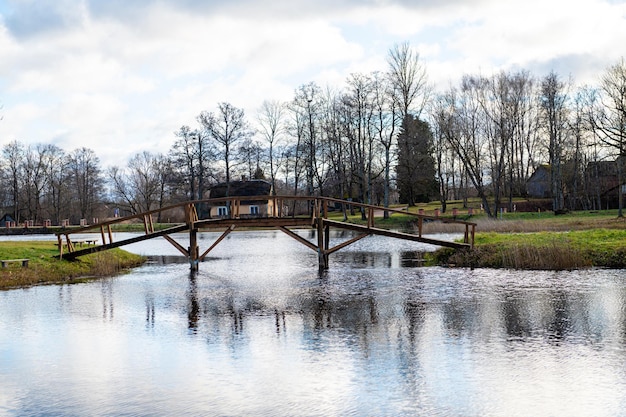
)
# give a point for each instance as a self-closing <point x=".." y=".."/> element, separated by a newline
<point x="370" y="210"/>
<point x="275" y="206"/>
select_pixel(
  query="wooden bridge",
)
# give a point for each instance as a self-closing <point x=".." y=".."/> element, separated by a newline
<point x="279" y="212"/>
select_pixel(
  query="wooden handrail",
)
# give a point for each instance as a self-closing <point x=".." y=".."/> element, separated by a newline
<point x="319" y="211"/>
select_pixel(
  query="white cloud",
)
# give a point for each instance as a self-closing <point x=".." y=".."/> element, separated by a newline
<point x="517" y="33"/>
<point x="127" y="76"/>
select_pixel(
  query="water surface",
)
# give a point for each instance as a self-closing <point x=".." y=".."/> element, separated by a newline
<point x="258" y="331"/>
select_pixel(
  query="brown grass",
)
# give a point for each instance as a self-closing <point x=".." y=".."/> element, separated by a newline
<point x="551" y="256"/>
<point x="484" y="224"/>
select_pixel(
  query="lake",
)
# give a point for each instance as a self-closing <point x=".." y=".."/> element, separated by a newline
<point x="259" y="331"/>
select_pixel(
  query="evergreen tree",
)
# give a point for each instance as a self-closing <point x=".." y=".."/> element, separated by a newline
<point x="416" y="173"/>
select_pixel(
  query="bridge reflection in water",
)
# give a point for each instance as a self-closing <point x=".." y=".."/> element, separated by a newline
<point x="278" y="212"/>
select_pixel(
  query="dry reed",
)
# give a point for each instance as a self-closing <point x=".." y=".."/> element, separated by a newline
<point x="525" y="226"/>
<point x="552" y="255"/>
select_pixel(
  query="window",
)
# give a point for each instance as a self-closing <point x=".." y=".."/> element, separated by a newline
<point x="254" y="210"/>
<point x="222" y="211"/>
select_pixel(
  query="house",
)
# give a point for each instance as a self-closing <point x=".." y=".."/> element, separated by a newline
<point x="604" y="179"/>
<point x="538" y="185"/>
<point x="603" y="175"/>
<point x="247" y="208"/>
<point x="600" y="182"/>
<point x="7" y="221"/>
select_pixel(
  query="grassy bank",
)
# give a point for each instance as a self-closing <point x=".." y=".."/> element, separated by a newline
<point x="546" y="250"/>
<point x="527" y="240"/>
<point x="44" y="268"/>
<point x="514" y="240"/>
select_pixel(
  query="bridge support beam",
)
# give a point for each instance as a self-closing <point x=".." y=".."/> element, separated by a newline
<point x="194" y="251"/>
<point x="191" y="217"/>
<point x="323" y="237"/>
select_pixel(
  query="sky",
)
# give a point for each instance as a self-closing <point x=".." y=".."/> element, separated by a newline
<point x="120" y="77"/>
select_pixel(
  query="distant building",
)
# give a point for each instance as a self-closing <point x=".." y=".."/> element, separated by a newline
<point x="604" y="179"/>
<point x="247" y="208"/>
<point x="601" y="179"/>
<point x="538" y="185"/>
<point x="6" y="220"/>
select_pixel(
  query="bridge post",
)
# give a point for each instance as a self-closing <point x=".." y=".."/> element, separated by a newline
<point x="323" y="235"/>
<point x="194" y="253"/>
<point x="326" y="245"/>
<point x="322" y="256"/>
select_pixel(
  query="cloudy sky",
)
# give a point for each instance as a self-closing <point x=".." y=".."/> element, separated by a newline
<point x="121" y="76"/>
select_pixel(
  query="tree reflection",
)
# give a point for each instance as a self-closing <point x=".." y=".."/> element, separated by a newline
<point x="150" y="309"/>
<point x="351" y="314"/>
<point x="515" y="320"/>
<point x="361" y="306"/>
<point x="107" y="299"/>
<point x="237" y="317"/>
<point x="559" y="326"/>
<point x="414" y="313"/>
<point x="280" y="321"/>
<point x="193" y="312"/>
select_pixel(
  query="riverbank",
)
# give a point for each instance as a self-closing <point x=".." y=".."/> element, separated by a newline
<point x="533" y="241"/>
<point x="44" y="268"/>
<point x="561" y="250"/>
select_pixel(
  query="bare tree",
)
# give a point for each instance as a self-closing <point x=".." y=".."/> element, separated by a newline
<point x="226" y="129"/>
<point x="251" y="155"/>
<point x="35" y="180"/>
<point x="307" y="103"/>
<point x="590" y="105"/>
<point x="191" y="157"/>
<point x="332" y="124"/>
<point x="443" y="125"/>
<point x="385" y="120"/>
<point x="272" y="123"/>
<point x="295" y="152"/>
<point x="553" y="102"/>
<point x="121" y="189"/>
<point x="13" y="153"/>
<point x="609" y="120"/>
<point x="501" y="106"/>
<point x="58" y="192"/>
<point x="409" y="79"/>
<point x="467" y="139"/>
<point x="142" y="184"/>
<point x="86" y="181"/>
<point x="580" y="129"/>
<point x="524" y="146"/>
<point x="359" y="129"/>
<point x="144" y="179"/>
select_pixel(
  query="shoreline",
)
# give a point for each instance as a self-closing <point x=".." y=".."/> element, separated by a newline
<point x="559" y="250"/>
<point x="512" y="244"/>
<point x="43" y="268"/>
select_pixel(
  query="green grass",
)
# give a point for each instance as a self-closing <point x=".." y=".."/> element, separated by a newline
<point x="44" y="268"/>
<point x="543" y="250"/>
<point x="586" y="239"/>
